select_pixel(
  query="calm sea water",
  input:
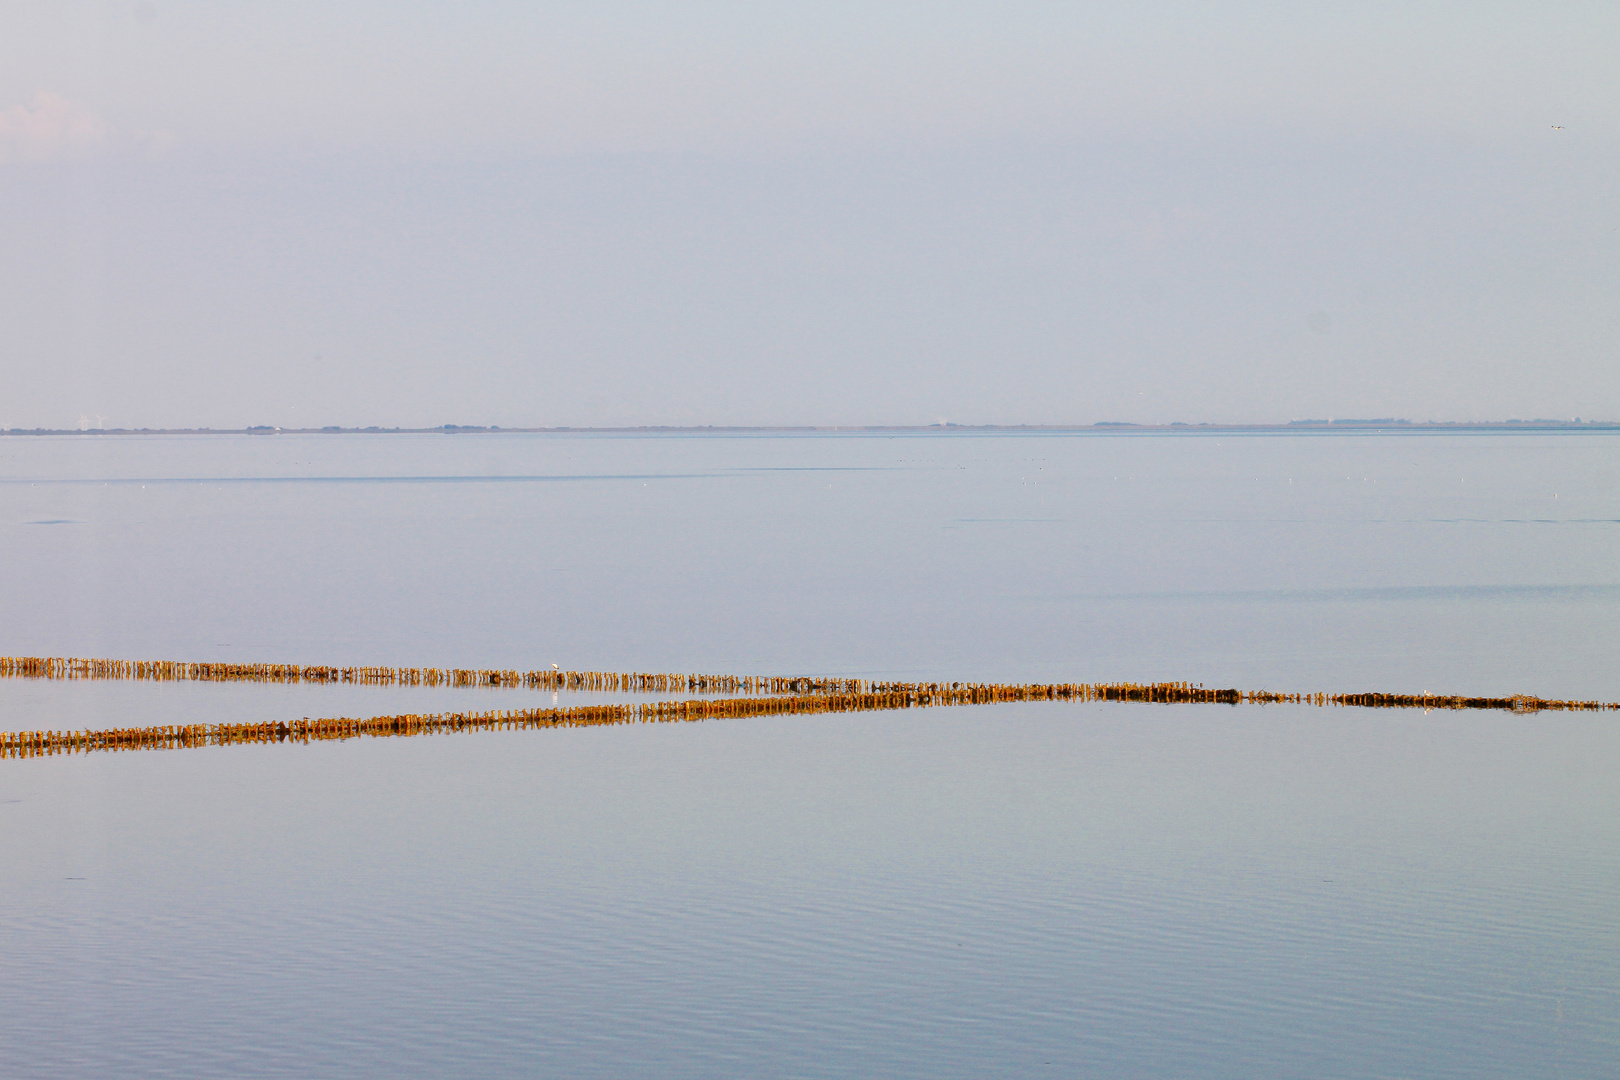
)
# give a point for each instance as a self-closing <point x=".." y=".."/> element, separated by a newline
<point x="1097" y="890"/>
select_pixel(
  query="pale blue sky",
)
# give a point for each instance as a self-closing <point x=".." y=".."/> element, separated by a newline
<point x="607" y="213"/>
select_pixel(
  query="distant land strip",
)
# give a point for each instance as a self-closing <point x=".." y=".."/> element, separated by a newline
<point x="1118" y="427"/>
<point x="859" y="696"/>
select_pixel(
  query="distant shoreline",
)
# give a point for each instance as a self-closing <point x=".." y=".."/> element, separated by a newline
<point x="1391" y="427"/>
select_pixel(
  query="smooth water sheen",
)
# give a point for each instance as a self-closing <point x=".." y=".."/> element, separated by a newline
<point x="1042" y="889"/>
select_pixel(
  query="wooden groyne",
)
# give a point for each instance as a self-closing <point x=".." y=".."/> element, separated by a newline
<point x="624" y="682"/>
<point x="1181" y="693"/>
<point x="877" y="697"/>
<point x="959" y="693"/>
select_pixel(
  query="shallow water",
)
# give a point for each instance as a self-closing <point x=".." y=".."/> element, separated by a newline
<point x="1478" y="563"/>
<point x="1093" y="890"/>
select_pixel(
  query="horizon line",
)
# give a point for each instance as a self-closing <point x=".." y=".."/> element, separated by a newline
<point x="1101" y="426"/>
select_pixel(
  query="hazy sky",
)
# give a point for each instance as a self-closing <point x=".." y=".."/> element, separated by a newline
<point x="577" y="213"/>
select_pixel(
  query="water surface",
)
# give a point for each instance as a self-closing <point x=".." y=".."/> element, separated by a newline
<point x="1087" y="890"/>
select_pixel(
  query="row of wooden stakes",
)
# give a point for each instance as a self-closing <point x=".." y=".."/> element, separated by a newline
<point x="74" y="667"/>
<point x="886" y="696"/>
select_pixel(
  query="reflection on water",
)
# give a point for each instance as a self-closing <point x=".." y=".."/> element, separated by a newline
<point x="1093" y="889"/>
<point x="1115" y="889"/>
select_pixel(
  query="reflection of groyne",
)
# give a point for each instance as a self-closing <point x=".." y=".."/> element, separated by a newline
<point x="877" y="697"/>
<point x="72" y="667"/>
